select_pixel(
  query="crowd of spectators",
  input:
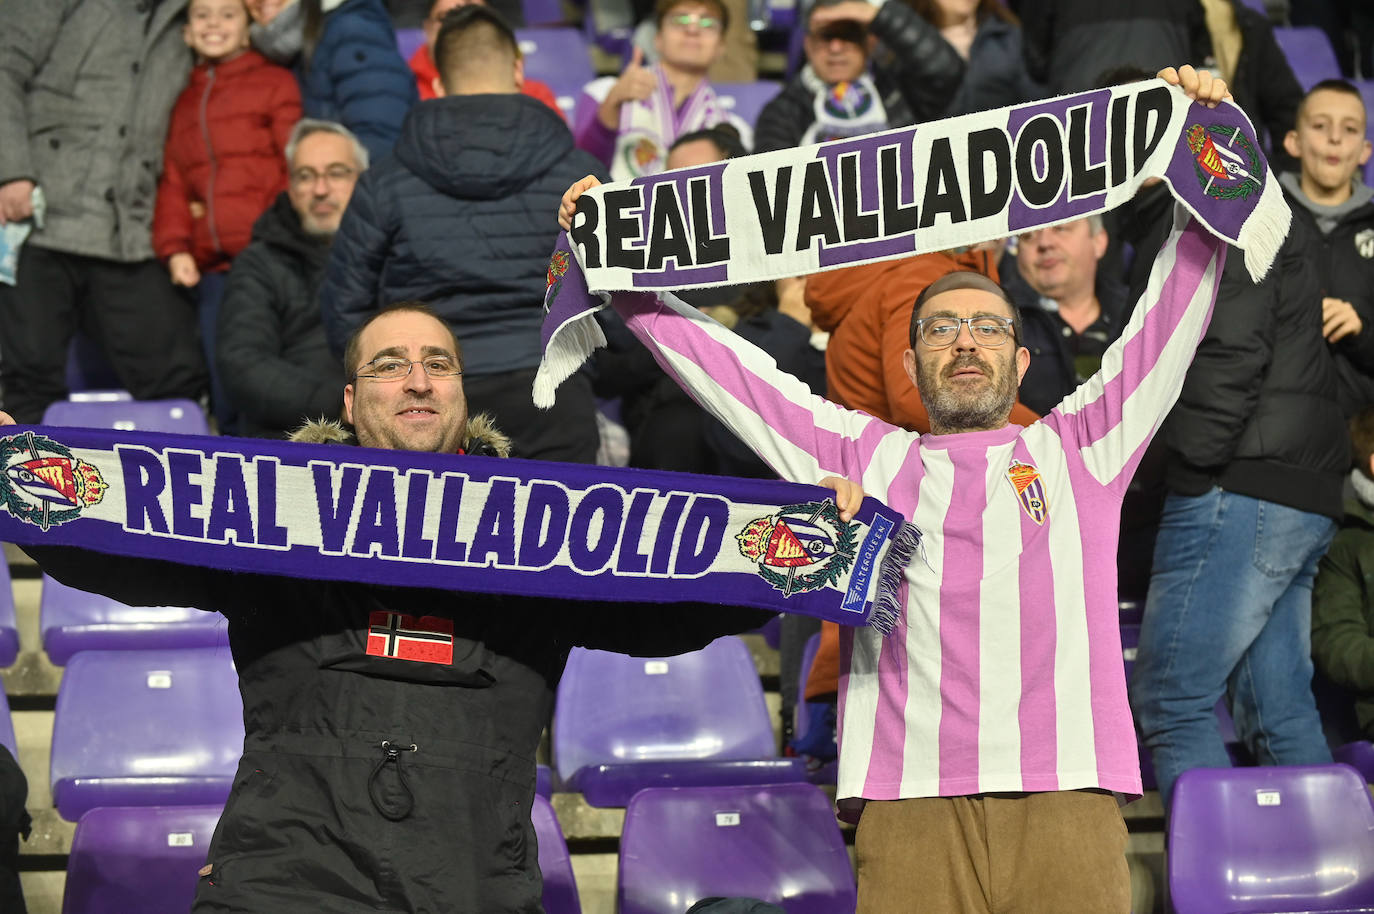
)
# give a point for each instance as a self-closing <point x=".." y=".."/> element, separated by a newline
<point x="230" y="187"/>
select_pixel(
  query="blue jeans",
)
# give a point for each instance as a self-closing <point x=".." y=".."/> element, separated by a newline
<point x="1229" y="612"/>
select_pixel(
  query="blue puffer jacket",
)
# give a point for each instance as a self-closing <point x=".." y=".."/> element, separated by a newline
<point x="357" y="77"/>
<point x="463" y="216"/>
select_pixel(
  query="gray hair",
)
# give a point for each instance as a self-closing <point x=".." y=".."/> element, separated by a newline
<point x="1095" y="224"/>
<point x="308" y="125"/>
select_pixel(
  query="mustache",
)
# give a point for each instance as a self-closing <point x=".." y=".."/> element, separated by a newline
<point x="967" y="360"/>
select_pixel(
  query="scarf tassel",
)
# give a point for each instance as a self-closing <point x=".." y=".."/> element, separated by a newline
<point x="887" y="604"/>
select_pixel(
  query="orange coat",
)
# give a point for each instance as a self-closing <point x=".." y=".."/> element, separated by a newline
<point x="867" y="310"/>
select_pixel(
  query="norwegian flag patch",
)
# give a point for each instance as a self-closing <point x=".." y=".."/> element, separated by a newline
<point x="427" y="639"/>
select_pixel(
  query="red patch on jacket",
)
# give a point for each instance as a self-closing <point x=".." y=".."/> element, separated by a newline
<point x="427" y="639"/>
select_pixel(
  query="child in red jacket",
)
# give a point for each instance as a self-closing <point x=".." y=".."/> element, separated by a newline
<point x="225" y="159"/>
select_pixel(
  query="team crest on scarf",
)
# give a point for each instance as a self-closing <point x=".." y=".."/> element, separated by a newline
<point x="1030" y="490"/>
<point x="1227" y="165"/>
<point x="801" y="548"/>
<point x="558" y="265"/>
<point x="427" y="639"/>
<point x="848" y="100"/>
<point x="43" y="484"/>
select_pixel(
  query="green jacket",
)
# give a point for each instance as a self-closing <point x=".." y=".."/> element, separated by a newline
<point x="1343" y="611"/>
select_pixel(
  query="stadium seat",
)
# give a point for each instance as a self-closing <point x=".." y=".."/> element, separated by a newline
<point x="543" y="781"/>
<point x="138" y="858"/>
<point x="557" y="56"/>
<point x="88" y="368"/>
<point x="72" y="620"/>
<point x="145" y="728"/>
<point x="543" y="12"/>
<point x="746" y="100"/>
<point x="826" y="772"/>
<point x="772" y="631"/>
<point x="1366" y="87"/>
<point x="9" y="628"/>
<point x="560" y="887"/>
<point x="1309" y="53"/>
<point x="1294" y="839"/>
<point x="625" y="723"/>
<point x="408" y="41"/>
<point x="175" y="416"/>
<point x="1358" y="755"/>
<point x="7" y="738"/>
<point x="777" y="843"/>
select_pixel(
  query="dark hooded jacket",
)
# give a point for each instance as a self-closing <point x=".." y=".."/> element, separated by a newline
<point x="372" y="783"/>
<point x="461" y="217"/>
<point x="270" y="343"/>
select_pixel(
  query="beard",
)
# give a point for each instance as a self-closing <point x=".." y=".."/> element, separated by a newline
<point x="976" y="408"/>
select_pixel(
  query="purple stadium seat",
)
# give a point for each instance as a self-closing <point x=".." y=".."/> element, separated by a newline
<point x="7" y="726"/>
<point x="778" y="843"/>
<point x="543" y="781"/>
<point x="408" y="41"/>
<point x="87" y="366"/>
<point x="1132" y="611"/>
<point x="132" y="858"/>
<point x="746" y="100"/>
<point x="560" y="888"/>
<point x="1298" y="839"/>
<point x="772" y="631"/>
<point x="625" y="723"/>
<point x="175" y="416"/>
<point x="9" y="628"/>
<point x="73" y="620"/>
<point x="1366" y="87"/>
<point x="1309" y="53"/>
<point x="543" y="12"/>
<point x="828" y="772"/>
<point x="1358" y="755"/>
<point x="145" y="728"/>
<point x="1258" y="6"/>
<point x="557" y="56"/>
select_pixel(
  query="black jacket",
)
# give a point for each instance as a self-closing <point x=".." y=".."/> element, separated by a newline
<point x="995" y="75"/>
<point x="321" y="817"/>
<point x="1344" y="261"/>
<point x="1069" y="44"/>
<point x="270" y="342"/>
<point x="916" y="72"/>
<point x="1258" y="414"/>
<point x="462" y="216"/>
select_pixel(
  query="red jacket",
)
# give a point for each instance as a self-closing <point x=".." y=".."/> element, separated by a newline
<point x="225" y="160"/>
<point x="422" y="65"/>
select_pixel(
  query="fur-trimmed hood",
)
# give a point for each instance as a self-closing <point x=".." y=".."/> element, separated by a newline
<point x="481" y="438"/>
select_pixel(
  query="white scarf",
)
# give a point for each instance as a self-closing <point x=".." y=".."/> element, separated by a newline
<point x="649" y="127"/>
<point x="843" y="110"/>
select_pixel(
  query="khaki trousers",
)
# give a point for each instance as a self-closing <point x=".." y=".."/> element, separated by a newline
<point x="1058" y="853"/>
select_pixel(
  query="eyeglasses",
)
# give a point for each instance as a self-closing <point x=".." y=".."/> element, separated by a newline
<point x="686" y="20"/>
<point x="393" y="368"/>
<point x="334" y="174"/>
<point x="941" y="332"/>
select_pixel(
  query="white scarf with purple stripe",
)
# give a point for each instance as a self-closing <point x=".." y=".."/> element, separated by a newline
<point x="649" y="127"/>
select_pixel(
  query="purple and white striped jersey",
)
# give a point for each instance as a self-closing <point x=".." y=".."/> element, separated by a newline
<point x="1005" y="672"/>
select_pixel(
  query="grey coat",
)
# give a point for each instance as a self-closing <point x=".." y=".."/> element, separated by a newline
<point x="86" y="89"/>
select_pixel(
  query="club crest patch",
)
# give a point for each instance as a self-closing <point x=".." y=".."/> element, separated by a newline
<point x="1227" y="166"/>
<point x="41" y="483"/>
<point x="801" y="548"/>
<point x="1030" y="490"/>
<point x="1364" y="243"/>
<point x="427" y="639"/>
<point x="558" y="266"/>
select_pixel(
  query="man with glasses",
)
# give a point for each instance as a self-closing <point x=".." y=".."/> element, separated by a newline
<point x="453" y="218"/>
<point x="982" y="742"/>
<point x="630" y="122"/>
<point x="838" y="95"/>
<point x="270" y="342"/>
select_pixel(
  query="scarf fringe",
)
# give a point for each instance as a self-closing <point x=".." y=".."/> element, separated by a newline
<point x="887" y="603"/>
<point x="571" y="344"/>
<point x="1264" y="232"/>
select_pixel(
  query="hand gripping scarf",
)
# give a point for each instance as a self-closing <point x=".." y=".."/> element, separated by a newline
<point x="936" y="186"/>
<point x="333" y="512"/>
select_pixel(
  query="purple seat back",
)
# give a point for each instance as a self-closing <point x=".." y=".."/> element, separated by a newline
<point x="175" y="416"/>
<point x="88" y="368"/>
<point x="746" y="100"/>
<point x="704" y="705"/>
<point x="1309" y="53"/>
<point x="408" y="41"/>
<point x="779" y="844"/>
<point x="73" y="620"/>
<point x="543" y="12"/>
<point x="7" y="726"/>
<point x="1271" y="839"/>
<point x="559" y="57"/>
<point x="801" y="720"/>
<point x="145" y="728"/>
<point x="1358" y="755"/>
<point x="772" y="631"/>
<point x="1366" y="87"/>
<point x="9" y="627"/>
<point x="141" y="859"/>
<point x="560" y="888"/>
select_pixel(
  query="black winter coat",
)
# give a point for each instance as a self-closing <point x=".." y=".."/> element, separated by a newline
<point x="996" y="74"/>
<point x="321" y="817"/>
<point x="270" y="342"/>
<point x="1068" y="44"/>
<point x="916" y="75"/>
<point x="1258" y="414"/>
<point x="1344" y="261"/>
<point x="463" y="216"/>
